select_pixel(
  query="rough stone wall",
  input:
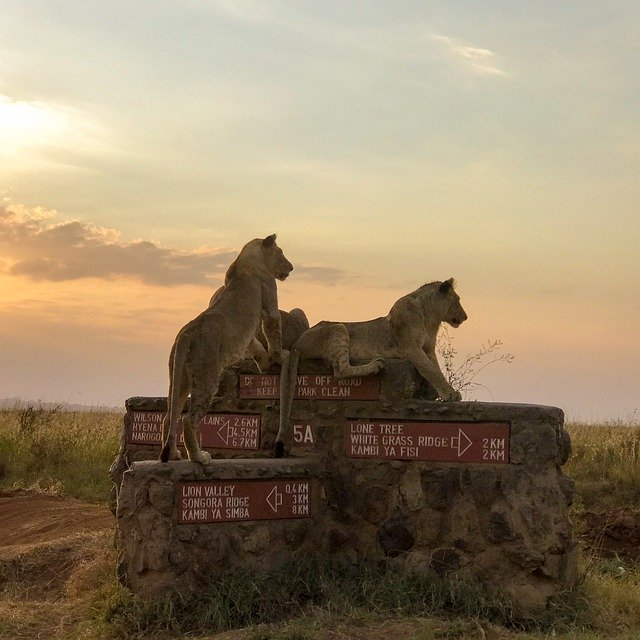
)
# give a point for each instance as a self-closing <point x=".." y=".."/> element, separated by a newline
<point x="158" y="553"/>
<point x="503" y="519"/>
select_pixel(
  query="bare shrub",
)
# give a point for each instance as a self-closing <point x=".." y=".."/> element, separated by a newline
<point x="462" y="375"/>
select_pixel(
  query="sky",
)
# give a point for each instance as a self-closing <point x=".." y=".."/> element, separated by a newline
<point x="142" y="144"/>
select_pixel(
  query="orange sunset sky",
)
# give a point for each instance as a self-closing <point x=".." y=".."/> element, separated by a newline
<point x="388" y="145"/>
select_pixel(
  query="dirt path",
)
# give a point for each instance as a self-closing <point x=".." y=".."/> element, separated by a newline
<point x="55" y="553"/>
<point x="33" y="518"/>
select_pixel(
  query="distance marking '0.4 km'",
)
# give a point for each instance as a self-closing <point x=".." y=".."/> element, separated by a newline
<point x="378" y="439"/>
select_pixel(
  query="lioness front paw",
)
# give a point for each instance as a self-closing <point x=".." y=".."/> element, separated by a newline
<point x="379" y="364"/>
<point x="203" y="457"/>
<point x="451" y="396"/>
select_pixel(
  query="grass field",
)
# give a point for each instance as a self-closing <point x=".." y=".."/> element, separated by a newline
<point x="69" y="454"/>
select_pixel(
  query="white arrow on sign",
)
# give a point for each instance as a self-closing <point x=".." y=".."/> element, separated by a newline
<point x="461" y="442"/>
<point x="274" y="499"/>
<point x="225" y="425"/>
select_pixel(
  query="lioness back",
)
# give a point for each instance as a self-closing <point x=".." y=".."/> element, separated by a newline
<point x="371" y="339"/>
<point x="294" y="323"/>
<point x="367" y="340"/>
<point x="245" y="294"/>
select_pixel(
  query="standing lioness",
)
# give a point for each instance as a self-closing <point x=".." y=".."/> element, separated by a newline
<point x="409" y="332"/>
<point x="219" y="337"/>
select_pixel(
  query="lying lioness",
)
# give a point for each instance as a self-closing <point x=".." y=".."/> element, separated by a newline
<point x="220" y="336"/>
<point x="408" y="332"/>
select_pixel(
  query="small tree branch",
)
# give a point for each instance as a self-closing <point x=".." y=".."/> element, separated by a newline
<point x="462" y="377"/>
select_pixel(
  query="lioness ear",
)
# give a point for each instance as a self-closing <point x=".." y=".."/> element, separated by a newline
<point x="269" y="240"/>
<point x="446" y="286"/>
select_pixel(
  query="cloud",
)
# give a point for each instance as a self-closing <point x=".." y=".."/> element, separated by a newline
<point x="41" y="248"/>
<point x="322" y="274"/>
<point x="36" y="245"/>
<point x="478" y="61"/>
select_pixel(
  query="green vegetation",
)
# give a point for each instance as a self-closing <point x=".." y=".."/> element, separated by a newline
<point x="307" y="600"/>
<point x="241" y="599"/>
<point x="57" y="451"/>
<point x="70" y="453"/>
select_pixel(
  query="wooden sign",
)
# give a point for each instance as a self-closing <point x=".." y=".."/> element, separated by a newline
<point x="486" y="442"/>
<point x="313" y="387"/>
<point x="236" y="501"/>
<point x="216" y="430"/>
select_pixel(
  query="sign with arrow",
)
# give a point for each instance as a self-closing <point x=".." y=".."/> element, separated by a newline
<point x="215" y="430"/>
<point x="238" y="501"/>
<point x="396" y="439"/>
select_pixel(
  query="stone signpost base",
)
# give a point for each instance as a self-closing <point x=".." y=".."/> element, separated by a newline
<point x="467" y="489"/>
<point x="181" y="524"/>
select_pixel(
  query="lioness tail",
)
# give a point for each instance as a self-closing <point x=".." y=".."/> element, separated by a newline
<point x="173" y="410"/>
<point x="288" y="379"/>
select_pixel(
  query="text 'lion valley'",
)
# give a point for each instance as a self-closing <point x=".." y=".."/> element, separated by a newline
<point x="486" y="442"/>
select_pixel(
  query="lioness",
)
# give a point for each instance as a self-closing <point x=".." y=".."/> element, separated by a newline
<point x="219" y="337"/>
<point x="408" y="332"/>
<point x="293" y="323"/>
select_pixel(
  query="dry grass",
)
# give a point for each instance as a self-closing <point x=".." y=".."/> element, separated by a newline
<point x="49" y="591"/>
<point x="66" y="453"/>
<point x="605" y="464"/>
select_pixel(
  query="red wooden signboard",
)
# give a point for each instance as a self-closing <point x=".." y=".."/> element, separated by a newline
<point x="486" y="442"/>
<point x="231" y="501"/>
<point x="216" y="430"/>
<point x="314" y="387"/>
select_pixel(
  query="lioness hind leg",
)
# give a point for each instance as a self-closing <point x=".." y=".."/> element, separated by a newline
<point x="201" y="394"/>
<point x="337" y="354"/>
<point x="169" y="435"/>
<point x="192" y="419"/>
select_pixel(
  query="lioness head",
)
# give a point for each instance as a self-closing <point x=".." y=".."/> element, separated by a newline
<point x="263" y="254"/>
<point x="274" y="258"/>
<point x="453" y="313"/>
